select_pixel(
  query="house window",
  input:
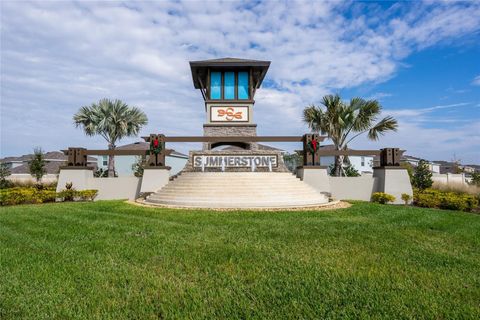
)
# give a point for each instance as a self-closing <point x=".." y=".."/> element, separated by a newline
<point x="215" y="85"/>
<point x="229" y="85"/>
<point x="243" y="85"/>
<point x="363" y="162"/>
<point x="105" y="161"/>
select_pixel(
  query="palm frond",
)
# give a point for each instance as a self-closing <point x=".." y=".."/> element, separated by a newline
<point x="113" y="120"/>
<point x="386" y="124"/>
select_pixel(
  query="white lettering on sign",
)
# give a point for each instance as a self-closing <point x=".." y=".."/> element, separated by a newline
<point x="234" y="161"/>
<point x="229" y="114"/>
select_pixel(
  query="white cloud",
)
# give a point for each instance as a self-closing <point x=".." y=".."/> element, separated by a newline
<point x="476" y="81"/>
<point x="58" y="56"/>
<point x="421" y="111"/>
<point x="379" y="96"/>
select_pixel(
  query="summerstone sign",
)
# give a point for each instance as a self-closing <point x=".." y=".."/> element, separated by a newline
<point x="235" y="161"/>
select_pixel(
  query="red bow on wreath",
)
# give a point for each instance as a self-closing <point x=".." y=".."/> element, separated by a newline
<point x="155" y="146"/>
<point x="313" y="146"/>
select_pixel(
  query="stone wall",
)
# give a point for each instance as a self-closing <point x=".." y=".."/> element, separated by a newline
<point x="210" y="130"/>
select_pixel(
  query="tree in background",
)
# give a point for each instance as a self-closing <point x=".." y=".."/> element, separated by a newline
<point x="348" y="170"/>
<point x="137" y="167"/>
<point x="475" y="179"/>
<point x="293" y="160"/>
<point x="422" y="177"/>
<point x="342" y="122"/>
<point x="4" y="173"/>
<point x="37" y="164"/>
<point x="113" y="120"/>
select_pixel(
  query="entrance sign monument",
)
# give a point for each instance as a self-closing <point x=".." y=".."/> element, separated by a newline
<point x="251" y="176"/>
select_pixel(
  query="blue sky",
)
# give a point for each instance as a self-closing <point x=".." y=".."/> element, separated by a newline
<point x="419" y="59"/>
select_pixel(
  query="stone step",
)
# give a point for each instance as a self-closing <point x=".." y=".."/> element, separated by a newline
<point x="240" y="192"/>
<point x="252" y="175"/>
<point x="234" y="186"/>
<point x="236" y="180"/>
<point x="233" y="204"/>
<point x="239" y="181"/>
<point x="247" y="197"/>
<point x="237" y="190"/>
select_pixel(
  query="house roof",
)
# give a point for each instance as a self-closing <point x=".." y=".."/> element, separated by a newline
<point x="50" y="167"/>
<point x="56" y="156"/>
<point x="199" y="69"/>
<point x="260" y="147"/>
<point x="327" y="147"/>
<point x="140" y="145"/>
<point x="407" y="157"/>
<point x="230" y="62"/>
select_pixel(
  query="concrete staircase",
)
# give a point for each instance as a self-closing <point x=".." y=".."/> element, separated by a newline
<point x="237" y="190"/>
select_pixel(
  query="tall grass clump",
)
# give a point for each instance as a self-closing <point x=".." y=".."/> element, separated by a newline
<point x="457" y="188"/>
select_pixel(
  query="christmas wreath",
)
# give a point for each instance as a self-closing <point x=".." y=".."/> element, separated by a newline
<point x="155" y="146"/>
<point x="313" y="146"/>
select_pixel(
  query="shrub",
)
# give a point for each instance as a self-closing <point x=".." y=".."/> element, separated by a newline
<point x="422" y="177"/>
<point x="406" y="197"/>
<point x="67" y="195"/>
<point x="13" y="196"/>
<point x="383" y="198"/>
<point x="100" y="173"/>
<point x="87" y="195"/>
<point x="431" y="198"/>
<point x="350" y="171"/>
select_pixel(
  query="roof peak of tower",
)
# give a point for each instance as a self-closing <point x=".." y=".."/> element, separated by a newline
<point x="230" y="62"/>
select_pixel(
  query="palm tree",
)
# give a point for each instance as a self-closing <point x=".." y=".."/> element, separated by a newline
<point x="113" y="120"/>
<point x="342" y="122"/>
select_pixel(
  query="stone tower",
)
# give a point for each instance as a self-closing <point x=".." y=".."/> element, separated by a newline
<point x="228" y="88"/>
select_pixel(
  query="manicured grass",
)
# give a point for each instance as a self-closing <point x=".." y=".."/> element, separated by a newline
<point x="112" y="260"/>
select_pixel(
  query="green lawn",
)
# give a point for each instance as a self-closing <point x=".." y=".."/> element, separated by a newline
<point x="113" y="260"/>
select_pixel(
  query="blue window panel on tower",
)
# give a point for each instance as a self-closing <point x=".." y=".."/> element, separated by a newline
<point x="243" y="85"/>
<point x="215" y="85"/>
<point x="229" y="89"/>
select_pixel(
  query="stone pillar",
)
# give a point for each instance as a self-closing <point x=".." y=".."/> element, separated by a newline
<point x="393" y="180"/>
<point x="78" y="176"/>
<point x="154" y="178"/>
<point x="315" y="176"/>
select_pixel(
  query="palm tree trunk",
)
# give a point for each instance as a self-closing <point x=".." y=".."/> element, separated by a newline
<point x="338" y="165"/>
<point x="111" y="162"/>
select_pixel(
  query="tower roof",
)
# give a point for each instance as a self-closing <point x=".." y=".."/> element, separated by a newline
<point x="199" y="69"/>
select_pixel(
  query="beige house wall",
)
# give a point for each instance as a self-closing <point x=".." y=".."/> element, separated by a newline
<point x="449" y="178"/>
<point x="27" y="178"/>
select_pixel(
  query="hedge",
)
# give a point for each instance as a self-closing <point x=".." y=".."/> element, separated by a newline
<point x="431" y="198"/>
<point x="14" y="196"/>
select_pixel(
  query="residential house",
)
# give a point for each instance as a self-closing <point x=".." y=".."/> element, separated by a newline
<point x="363" y="164"/>
<point x="434" y="167"/>
<point x="123" y="164"/>
<point x="20" y="171"/>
